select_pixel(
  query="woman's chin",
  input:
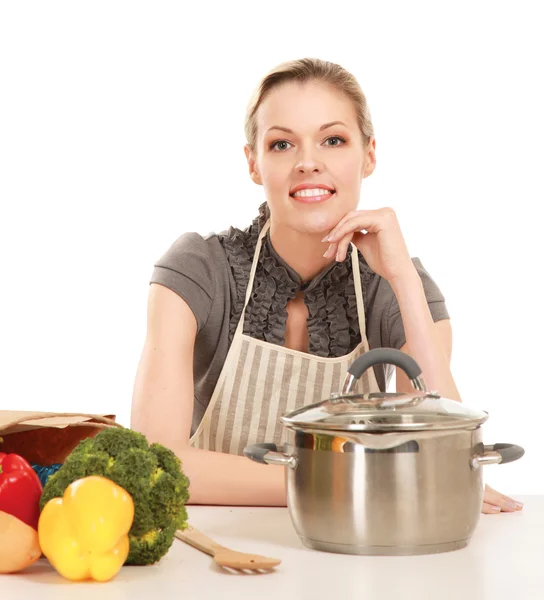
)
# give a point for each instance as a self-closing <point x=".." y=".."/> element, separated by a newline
<point x="318" y="222"/>
<point x="312" y="227"/>
<point x="312" y="219"/>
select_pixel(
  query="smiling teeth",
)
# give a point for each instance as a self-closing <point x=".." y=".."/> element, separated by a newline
<point x="314" y="192"/>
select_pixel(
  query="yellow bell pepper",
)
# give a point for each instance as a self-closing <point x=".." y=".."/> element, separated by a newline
<point x="84" y="534"/>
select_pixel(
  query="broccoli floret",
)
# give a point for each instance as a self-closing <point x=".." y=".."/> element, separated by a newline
<point x="151" y="474"/>
<point x="144" y="549"/>
<point x="111" y="442"/>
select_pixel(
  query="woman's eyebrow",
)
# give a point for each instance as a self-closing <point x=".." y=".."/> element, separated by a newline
<point x="326" y="126"/>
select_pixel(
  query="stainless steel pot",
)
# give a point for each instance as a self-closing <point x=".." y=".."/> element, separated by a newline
<point x="387" y="473"/>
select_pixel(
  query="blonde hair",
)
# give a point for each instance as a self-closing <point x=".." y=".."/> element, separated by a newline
<point x="301" y="71"/>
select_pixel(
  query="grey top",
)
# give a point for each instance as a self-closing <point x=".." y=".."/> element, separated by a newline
<point x="211" y="274"/>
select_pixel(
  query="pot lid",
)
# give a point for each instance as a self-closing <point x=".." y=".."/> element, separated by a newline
<point x="385" y="412"/>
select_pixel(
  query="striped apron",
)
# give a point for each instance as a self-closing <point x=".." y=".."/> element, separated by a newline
<point x="260" y="382"/>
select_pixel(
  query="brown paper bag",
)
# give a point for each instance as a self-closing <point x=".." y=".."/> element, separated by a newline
<point x="48" y="438"/>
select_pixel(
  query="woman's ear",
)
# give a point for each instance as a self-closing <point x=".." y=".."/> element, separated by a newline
<point x="369" y="163"/>
<point x="252" y="164"/>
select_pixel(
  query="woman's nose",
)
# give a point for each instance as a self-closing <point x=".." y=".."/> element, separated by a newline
<point x="308" y="166"/>
<point x="307" y="163"/>
<point x="308" y="159"/>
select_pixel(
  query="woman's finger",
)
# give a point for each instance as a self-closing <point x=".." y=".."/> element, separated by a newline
<point x="369" y="220"/>
<point x="340" y="223"/>
<point x="490" y="509"/>
<point x="331" y="251"/>
<point x="505" y="503"/>
<point x="355" y="223"/>
<point x="343" y="245"/>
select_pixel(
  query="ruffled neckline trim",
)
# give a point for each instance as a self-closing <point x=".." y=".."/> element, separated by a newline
<point x="333" y="325"/>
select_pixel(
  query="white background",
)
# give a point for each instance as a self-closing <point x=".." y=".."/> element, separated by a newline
<point x="121" y="127"/>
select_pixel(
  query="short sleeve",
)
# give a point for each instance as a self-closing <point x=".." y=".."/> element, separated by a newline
<point x="187" y="269"/>
<point x="394" y="328"/>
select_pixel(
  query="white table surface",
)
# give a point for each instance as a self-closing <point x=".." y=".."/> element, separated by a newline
<point x="504" y="560"/>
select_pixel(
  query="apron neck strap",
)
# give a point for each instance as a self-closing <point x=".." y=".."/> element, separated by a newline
<point x="358" y="289"/>
<point x="254" y="264"/>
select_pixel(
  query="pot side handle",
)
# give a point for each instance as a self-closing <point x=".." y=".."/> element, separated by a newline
<point x="498" y="454"/>
<point x="267" y="454"/>
<point x="508" y="452"/>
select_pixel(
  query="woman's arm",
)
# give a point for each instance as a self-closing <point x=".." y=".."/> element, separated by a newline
<point x="427" y="342"/>
<point x="162" y="409"/>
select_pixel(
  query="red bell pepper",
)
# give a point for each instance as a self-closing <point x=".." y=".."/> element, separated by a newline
<point x="20" y="489"/>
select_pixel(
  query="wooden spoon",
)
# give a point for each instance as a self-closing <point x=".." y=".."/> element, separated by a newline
<point x="225" y="556"/>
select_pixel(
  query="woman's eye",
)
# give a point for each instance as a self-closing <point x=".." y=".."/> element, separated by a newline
<point x="274" y="145"/>
<point x="336" y="137"/>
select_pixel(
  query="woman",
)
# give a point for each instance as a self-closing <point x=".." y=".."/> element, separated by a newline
<point x="245" y="325"/>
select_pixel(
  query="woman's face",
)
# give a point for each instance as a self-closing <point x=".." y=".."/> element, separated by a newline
<point x="297" y="145"/>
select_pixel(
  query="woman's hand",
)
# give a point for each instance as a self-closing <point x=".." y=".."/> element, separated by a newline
<point x="495" y="503"/>
<point x="382" y="245"/>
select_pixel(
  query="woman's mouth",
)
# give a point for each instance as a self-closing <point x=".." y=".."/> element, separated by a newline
<point x="312" y="196"/>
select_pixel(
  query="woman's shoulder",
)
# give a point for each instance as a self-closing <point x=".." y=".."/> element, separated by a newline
<point x="386" y="297"/>
<point x="213" y="249"/>
<point x="385" y="314"/>
<point x="194" y="267"/>
<point x="191" y="249"/>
